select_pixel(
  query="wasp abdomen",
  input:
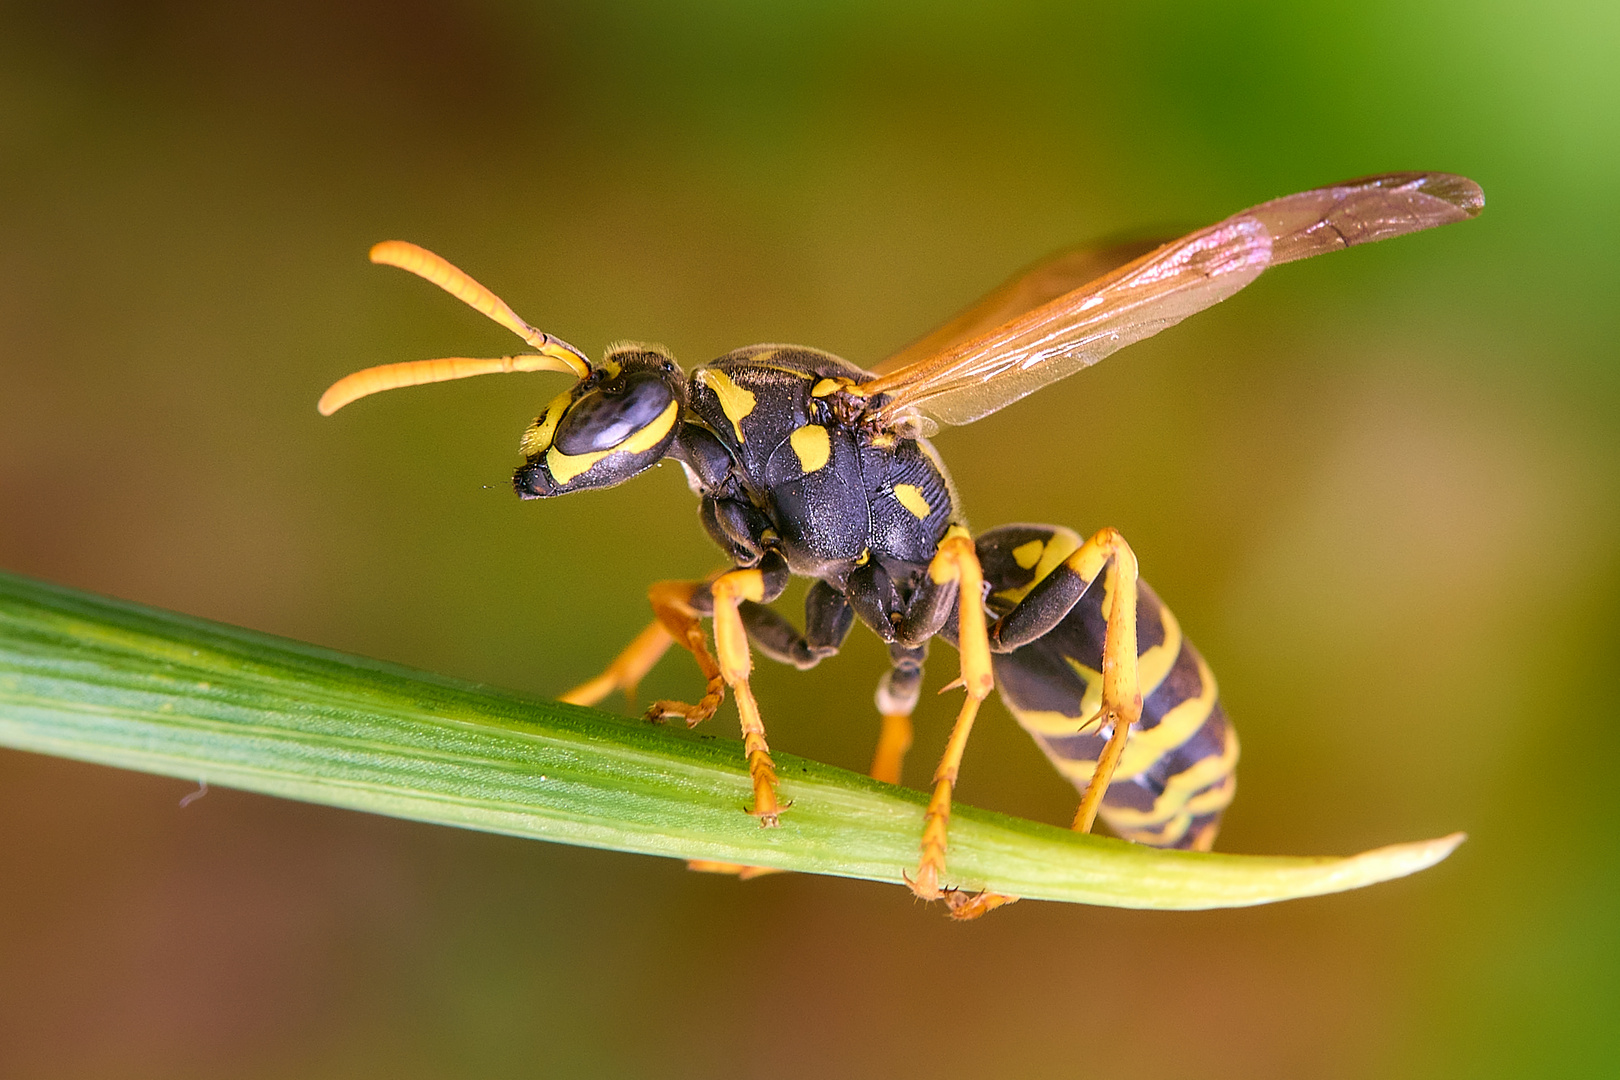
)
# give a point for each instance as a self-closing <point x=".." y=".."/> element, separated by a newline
<point x="1178" y="770"/>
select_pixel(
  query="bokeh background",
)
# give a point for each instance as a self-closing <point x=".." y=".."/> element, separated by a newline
<point x="1378" y="488"/>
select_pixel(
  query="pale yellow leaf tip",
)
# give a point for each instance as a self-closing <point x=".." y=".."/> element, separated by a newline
<point x="1399" y="860"/>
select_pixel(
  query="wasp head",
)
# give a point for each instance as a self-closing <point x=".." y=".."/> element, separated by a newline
<point x="613" y="424"/>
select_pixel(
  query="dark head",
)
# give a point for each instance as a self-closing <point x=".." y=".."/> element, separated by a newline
<point x="613" y="424"/>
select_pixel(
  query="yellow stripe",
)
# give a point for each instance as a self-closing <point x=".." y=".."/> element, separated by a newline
<point x="564" y="467"/>
<point x="1064" y="542"/>
<point x="1216" y="798"/>
<point x="1044" y="723"/>
<point x="1178" y="800"/>
<point x="1154" y="665"/>
<point x="1027" y="555"/>
<point x="1144" y="747"/>
<point x="1174" y="728"/>
<point x="735" y="402"/>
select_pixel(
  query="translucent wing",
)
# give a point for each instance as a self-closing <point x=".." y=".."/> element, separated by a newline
<point x="1026" y="290"/>
<point x="973" y="377"/>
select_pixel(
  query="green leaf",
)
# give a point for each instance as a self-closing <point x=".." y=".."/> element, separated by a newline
<point x="111" y="682"/>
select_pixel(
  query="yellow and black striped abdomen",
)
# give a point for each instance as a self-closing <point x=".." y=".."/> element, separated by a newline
<point x="1178" y="771"/>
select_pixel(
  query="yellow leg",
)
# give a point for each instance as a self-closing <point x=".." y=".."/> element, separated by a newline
<point x="1121" y="692"/>
<point x="627" y="670"/>
<point x="742" y="872"/>
<point x="671" y="602"/>
<point x="731" y="643"/>
<point x="894" y="740"/>
<point x="956" y="560"/>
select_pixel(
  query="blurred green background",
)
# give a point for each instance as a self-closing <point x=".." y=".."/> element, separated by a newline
<point x="1379" y="489"/>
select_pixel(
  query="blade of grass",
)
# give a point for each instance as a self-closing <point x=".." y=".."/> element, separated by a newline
<point x="105" y="681"/>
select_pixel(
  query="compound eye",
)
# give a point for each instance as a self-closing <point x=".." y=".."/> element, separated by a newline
<point x="604" y="418"/>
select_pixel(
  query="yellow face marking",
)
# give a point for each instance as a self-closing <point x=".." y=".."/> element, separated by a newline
<point x="564" y="467"/>
<point x="735" y="402"/>
<point x="812" y="445"/>
<point x="1027" y="555"/>
<point x="910" y="496"/>
<point x="537" y="439"/>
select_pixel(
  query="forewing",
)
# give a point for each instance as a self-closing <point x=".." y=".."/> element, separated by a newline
<point x="976" y="376"/>
<point x="1362" y="211"/>
<point x="1026" y="290"/>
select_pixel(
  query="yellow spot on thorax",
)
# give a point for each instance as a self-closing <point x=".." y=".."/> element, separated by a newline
<point x="1027" y="555"/>
<point x="832" y="386"/>
<point x="910" y="496"/>
<point x="735" y="402"/>
<point x="812" y="445"/>
<point x="564" y="467"/>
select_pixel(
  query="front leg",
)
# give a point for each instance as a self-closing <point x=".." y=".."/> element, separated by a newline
<point x="732" y="664"/>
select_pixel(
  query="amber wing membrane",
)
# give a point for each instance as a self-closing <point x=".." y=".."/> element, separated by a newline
<point x="1026" y="290"/>
<point x="974" y="376"/>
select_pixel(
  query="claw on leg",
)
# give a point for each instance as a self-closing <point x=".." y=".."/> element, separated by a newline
<point x="965" y="906"/>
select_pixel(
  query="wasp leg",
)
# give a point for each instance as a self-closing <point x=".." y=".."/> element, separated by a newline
<point x="896" y="699"/>
<point x="955" y="561"/>
<point x="827" y="622"/>
<point x="679" y="606"/>
<point x="731" y="664"/>
<point x="741" y="871"/>
<point x="1045" y="605"/>
<point x="828" y="619"/>
<point x="627" y="669"/>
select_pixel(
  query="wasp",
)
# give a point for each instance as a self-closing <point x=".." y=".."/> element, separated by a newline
<point x="805" y="464"/>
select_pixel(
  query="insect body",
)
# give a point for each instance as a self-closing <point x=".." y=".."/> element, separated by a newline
<point x="807" y="465"/>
